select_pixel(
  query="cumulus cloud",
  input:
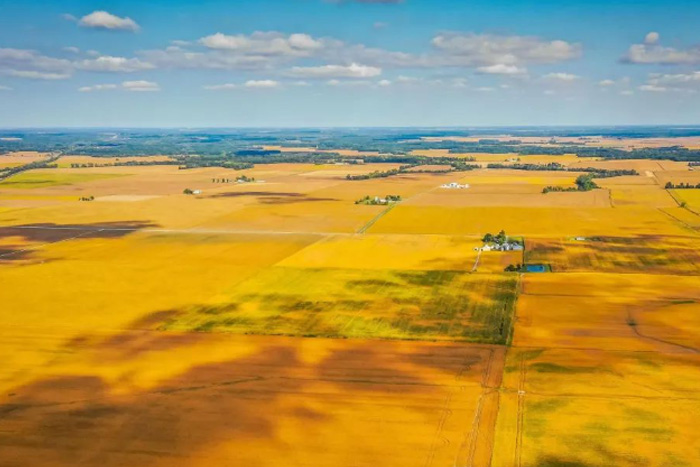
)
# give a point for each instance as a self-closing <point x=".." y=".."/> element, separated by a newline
<point x="261" y="83"/>
<point x="106" y="20"/>
<point x="561" y="77"/>
<point x="37" y="75"/>
<point x="175" y="57"/>
<point x="349" y="83"/>
<point x="30" y="64"/>
<point x="109" y="64"/>
<point x="487" y="49"/>
<point x="652" y="38"/>
<point x="652" y="88"/>
<point x="501" y="69"/>
<point x="680" y="82"/>
<point x="606" y="83"/>
<point x="264" y="43"/>
<point x="270" y="50"/>
<point x="651" y="52"/>
<point x="220" y="87"/>
<point x="141" y="86"/>
<point x="253" y="83"/>
<point x="98" y="87"/>
<point x="384" y="83"/>
<point x="136" y="86"/>
<point x="353" y="70"/>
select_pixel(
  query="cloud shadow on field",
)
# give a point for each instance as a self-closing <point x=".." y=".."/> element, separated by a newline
<point x="46" y="233"/>
<point x="80" y="419"/>
<point x="50" y="232"/>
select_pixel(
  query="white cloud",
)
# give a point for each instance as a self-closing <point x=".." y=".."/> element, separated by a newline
<point x="73" y="50"/>
<point x="5" y="88"/>
<point x="111" y="64"/>
<point x="606" y="83"/>
<point x="210" y="60"/>
<point x="98" y="87"/>
<point x="69" y="17"/>
<point x="652" y="88"/>
<point x="408" y="79"/>
<point x="264" y="43"/>
<point x="627" y="92"/>
<point x="486" y="49"/>
<point x="679" y="82"/>
<point x="651" y="52"/>
<point x="37" y="75"/>
<point x="485" y="89"/>
<point x="501" y="69"/>
<point x="262" y="83"/>
<point x="353" y="70"/>
<point x="384" y="83"/>
<point x="561" y="77"/>
<point x="380" y="25"/>
<point x="220" y="87"/>
<point x="350" y="83"/>
<point x="140" y="86"/>
<point x="106" y="20"/>
<point x="22" y="63"/>
<point x="651" y="38"/>
<point x="269" y="50"/>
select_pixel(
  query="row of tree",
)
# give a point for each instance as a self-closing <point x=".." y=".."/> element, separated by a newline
<point x="680" y="186"/>
<point x="557" y="167"/>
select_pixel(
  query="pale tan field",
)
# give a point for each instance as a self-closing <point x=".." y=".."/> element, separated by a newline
<point x="279" y="323"/>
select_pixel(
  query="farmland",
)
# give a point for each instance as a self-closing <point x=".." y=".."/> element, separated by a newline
<point x="273" y="321"/>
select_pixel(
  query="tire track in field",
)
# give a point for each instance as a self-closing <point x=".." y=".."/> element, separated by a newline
<point x="482" y="437"/>
<point x="517" y="461"/>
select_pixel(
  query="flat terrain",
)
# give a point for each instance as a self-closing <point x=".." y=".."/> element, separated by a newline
<point x="279" y="323"/>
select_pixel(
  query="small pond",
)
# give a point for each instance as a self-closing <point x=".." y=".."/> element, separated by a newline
<point x="537" y="268"/>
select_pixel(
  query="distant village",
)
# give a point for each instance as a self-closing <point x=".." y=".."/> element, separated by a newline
<point x="454" y="186"/>
<point x="376" y="200"/>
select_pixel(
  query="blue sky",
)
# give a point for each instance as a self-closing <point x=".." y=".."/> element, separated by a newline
<point x="348" y="63"/>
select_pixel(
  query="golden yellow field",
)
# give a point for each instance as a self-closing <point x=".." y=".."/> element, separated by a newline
<point x="276" y="322"/>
